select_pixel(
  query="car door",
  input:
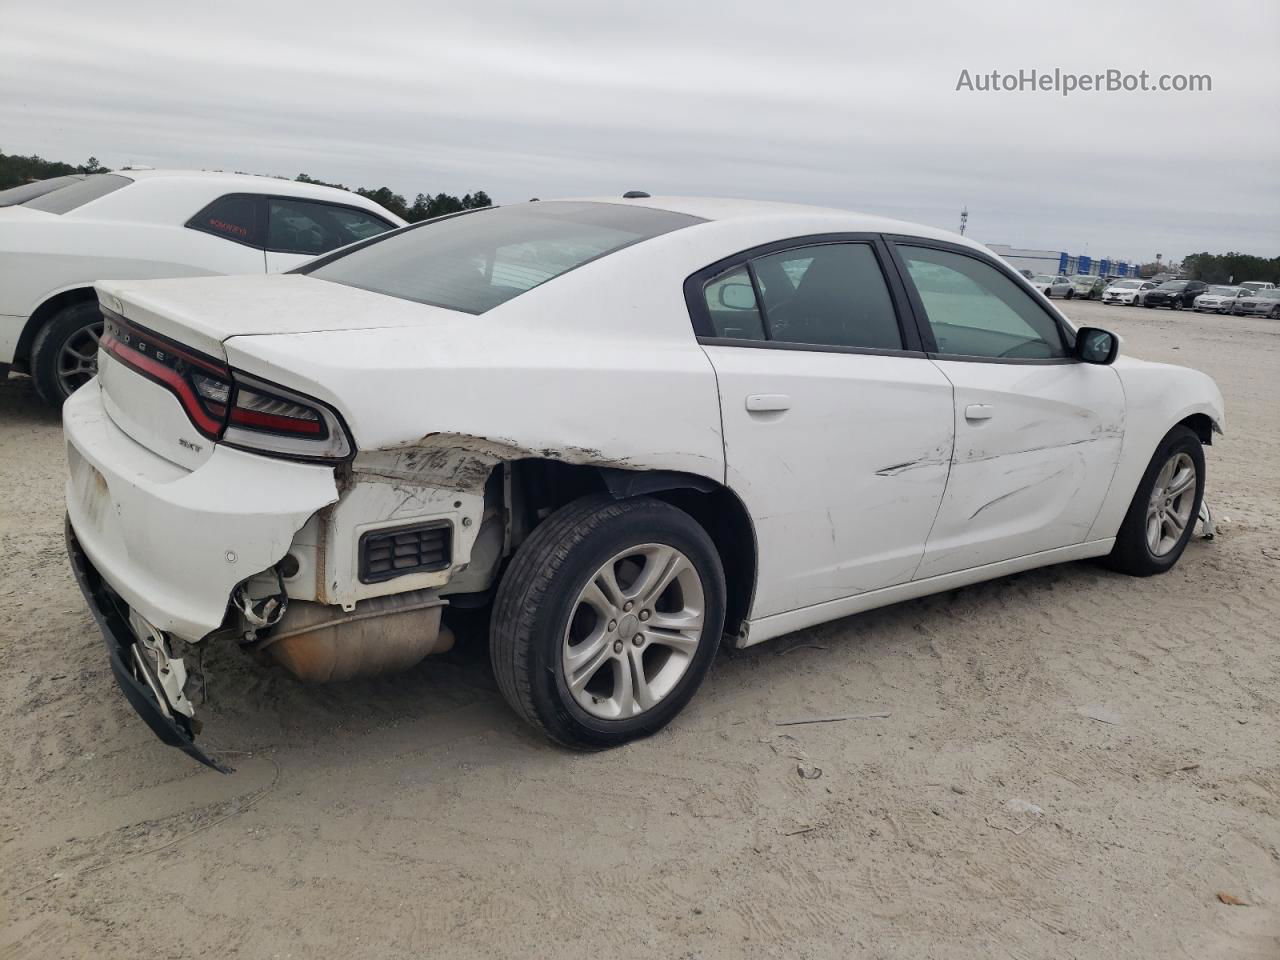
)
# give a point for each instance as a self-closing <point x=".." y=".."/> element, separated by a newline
<point x="298" y="229"/>
<point x="837" y="429"/>
<point x="1038" y="433"/>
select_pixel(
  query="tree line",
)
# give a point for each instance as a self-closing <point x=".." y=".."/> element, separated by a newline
<point x="16" y="170"/>
<point x="1230" y="267"/>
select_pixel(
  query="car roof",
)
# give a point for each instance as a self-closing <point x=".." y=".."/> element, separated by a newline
<point x="247" y="181"/>
<point x="169" y="190"/>
<point x="723" y="209"/>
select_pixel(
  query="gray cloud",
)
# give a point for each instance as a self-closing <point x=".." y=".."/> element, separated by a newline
<point x="819" y="102"/>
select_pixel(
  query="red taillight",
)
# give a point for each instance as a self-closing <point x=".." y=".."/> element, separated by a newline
<point x="234" y="407"/>
<point x="200" y="383"/>
<point x="269" y="418"/>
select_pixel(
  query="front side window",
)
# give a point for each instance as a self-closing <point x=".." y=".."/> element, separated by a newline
<point x="237" y="216"/>
<point x="78" y="192"/>
<point x="313" y="228"/>
<point x="475" y="261"/>
<point x="974" y="310"/>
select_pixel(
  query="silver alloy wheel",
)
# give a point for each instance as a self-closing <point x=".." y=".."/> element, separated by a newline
<point x="633" y="631"/>
<point x="1172" y="500"/>
<point x="78" y="358"/>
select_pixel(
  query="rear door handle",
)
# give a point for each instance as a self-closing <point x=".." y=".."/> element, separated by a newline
<point x="978" y="411"/>
<point x="768" y="402"/>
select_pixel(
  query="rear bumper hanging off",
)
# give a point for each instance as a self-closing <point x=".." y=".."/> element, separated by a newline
<point x="112" y="616"/>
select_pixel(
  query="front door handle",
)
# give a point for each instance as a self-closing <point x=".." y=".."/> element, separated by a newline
<point x="978" y="411"/>
<point x="768" y="402"/>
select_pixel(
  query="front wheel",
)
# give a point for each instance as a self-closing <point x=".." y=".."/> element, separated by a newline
<point x="607" y="620"/>
<point x="1163" y="512"/>
<point x="1070" y="294"/>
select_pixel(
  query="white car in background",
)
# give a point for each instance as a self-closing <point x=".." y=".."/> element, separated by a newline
<point x="59" y="236"/>
<point x="1255" y="286"/>
<point x="1219" y="299"/>
<point x="1127" y="292"/>
<point x="1052" y="286"/>
<point x="631" y="426"/>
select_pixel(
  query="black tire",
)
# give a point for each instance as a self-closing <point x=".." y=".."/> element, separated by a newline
<point x="1131" y="553"/>
<point x="1275" y="313"/>
<point x="47" y="350"/>
<point x="1176" y="305"/>
<point x="1149" y="306"/>
<point x="1070" y="294"/>
<point x="538" y="594"/>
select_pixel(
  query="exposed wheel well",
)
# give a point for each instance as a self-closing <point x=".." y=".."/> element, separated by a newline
<point x="1202" y="425"/>
<point x="41" y="315"/>
<point x="539" y="487"/>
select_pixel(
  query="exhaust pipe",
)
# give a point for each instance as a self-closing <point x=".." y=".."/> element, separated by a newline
<point x="319" y="643"/>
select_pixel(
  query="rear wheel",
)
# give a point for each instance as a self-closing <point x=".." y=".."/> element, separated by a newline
<point x="1070" y="294"/>
<point x="64" y="356"/>
<point x="607" y="620"/>
<point x="1164" y="509"/>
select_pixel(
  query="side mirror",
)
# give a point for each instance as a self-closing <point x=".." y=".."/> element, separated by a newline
<point x="737" y="296"/>
<point x="1095" y="345"/>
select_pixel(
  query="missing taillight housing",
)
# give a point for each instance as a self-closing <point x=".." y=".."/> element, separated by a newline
<point x="236" y="408"/>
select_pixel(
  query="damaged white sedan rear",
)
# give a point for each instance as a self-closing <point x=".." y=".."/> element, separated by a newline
<point x="631" y="427"/>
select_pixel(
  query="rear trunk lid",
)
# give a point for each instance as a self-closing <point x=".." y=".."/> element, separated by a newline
<point x="163" y="354"/>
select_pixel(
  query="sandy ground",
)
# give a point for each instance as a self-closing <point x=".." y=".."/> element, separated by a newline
<point x="416" y="817"/>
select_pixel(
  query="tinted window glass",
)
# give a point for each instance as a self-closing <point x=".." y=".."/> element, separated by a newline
<point x="304" y="226"/>
<point x="975" y="310"/>
<point x="237" y="216"/>
<point x="831" y="295"/>
<point x="77" y="194"/>
<point x="731" y="302"/>
<point x="29" y="191"/>
<point x="476" y="261"/>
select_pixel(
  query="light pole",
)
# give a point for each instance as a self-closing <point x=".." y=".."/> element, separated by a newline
<point x="964" y="219"/>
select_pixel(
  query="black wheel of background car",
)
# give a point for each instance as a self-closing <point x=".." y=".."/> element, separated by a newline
<point x="1275" y="313"/>
<point x="1048" y="292"/>
<point x="1070" y="294"/>
<point x="64" y="356"/>
<point x="1176" y="305"/>
<point x="607" y="620"/>
<point x="1163" y="513"/>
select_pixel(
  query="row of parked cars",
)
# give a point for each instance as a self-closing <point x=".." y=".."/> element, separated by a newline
<point x="1258" y="297"/>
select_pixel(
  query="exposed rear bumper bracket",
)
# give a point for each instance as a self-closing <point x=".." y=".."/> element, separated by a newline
<point x="113" y="620"/>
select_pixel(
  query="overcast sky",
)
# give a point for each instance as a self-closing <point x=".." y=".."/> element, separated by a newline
<point x="839" y="103"/>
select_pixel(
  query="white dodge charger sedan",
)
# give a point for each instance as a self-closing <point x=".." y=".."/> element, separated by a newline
<point x="59" y="236"/>
<point x="633" y="426"/>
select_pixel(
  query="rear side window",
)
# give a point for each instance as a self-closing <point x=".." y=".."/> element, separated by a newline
<point x="832" y="295"/>
<point x="77" y="193"/>
<point x="29" y="191"/>
<point x="476" y="261"/>
<point x="824" y="295"/>
<point x="731" y="304"/>
<point x="310" y="227"/>
<point x="236" y="216"/>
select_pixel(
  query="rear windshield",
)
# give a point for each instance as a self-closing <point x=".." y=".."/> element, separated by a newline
<point x="29" y="191"/>
<point x="476" y="261"/>
<point x="76" y="194"/>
